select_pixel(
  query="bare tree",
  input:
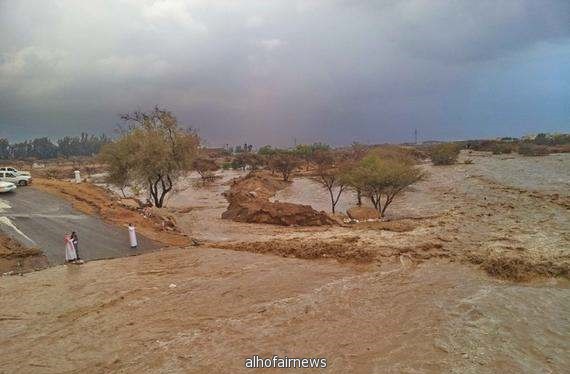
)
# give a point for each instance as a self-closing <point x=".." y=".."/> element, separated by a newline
<point x="329" y="175"/>
<point x="205" y="167"/>
<point x="284" y="162"/>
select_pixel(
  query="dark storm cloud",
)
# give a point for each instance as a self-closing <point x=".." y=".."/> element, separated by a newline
<point x="270" y="71"/>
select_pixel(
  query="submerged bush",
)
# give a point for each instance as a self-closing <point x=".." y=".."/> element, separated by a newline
<point x="445" y="154"/>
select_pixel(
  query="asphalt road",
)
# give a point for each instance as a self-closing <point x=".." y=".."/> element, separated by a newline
<point x="39" y="219"/>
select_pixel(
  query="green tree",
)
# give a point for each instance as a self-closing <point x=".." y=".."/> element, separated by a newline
<point x="306" y="152"/>
<point x="155" y="151"/>
<point x="4" y="149"/>
<point x="120" y="163"/>
<point x="266" y="150"/>
<point x="381" y="180"/>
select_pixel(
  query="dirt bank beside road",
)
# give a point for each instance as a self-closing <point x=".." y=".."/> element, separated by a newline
<point x="91" y="199"/>
<point x="16" y="258"/>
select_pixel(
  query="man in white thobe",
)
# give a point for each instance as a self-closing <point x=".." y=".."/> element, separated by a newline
<point x="132" y="236"/>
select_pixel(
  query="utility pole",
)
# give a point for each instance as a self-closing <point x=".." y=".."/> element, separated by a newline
<point x="416" y="136"/>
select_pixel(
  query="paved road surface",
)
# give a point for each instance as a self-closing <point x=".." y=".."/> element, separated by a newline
<point x="39" y="219"/>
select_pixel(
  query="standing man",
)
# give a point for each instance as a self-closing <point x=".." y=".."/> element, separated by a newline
<point x="70" y="255"/>
<point x="75" y="241"/>
<point x="132" y="236"/>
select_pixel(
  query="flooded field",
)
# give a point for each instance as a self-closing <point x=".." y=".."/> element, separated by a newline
<point x="421" y="305"/>
<point x="206" y="310"/>
<point x="548" y="174"/>
<point x="418" y="202"/>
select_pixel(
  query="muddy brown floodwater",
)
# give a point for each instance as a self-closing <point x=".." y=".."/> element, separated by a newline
<point x="206" y="310"/>
<point x="420" y="306"/>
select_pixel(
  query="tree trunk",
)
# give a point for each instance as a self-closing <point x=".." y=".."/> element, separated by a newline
<point x="334" y="200"/>
<point x="389" y="199"/>
<point x="159" y="192"/>
<point x="333" y="203"/>
<point x="358" y="197"/>
<point x="376" y="201"/>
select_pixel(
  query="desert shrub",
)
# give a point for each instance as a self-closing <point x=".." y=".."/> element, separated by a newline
<point x="406" y="154"/>
<point x="468" y="161"/>
<point x="445" y="154"/>
<point x="527" y="149"/>
<point x="502" y="148"/>
<point x="226" y="165"/>
<point x="205" y="167"/>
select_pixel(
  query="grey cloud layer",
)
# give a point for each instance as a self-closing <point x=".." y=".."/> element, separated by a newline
<point x="270" y="71"/>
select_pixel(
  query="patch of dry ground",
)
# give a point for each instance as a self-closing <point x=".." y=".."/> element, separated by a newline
<point x="91" y="199"/>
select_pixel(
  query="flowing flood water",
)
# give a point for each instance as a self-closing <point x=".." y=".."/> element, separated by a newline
<point x="431" y="316"/>
<point x="502" y="204"/>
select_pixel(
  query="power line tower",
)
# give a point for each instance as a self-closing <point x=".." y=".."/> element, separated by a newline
<point x="416" y="136"/>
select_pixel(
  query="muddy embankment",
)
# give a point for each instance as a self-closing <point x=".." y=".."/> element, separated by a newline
<point x="249" y="196"/>
<point x="90" y="199"/>
<point x="17" y="259"/>
<point x="343" y="248"/>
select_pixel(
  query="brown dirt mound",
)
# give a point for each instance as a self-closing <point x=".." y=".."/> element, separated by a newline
<point x="248" y="199"/>
<point x="285" y="214"/>
<point x="16" y="257"/>
<point x="362" y="213"/>
<point x="259" y="184"/>
<point x="10" y="248"/>
<point x="91" y="199"/>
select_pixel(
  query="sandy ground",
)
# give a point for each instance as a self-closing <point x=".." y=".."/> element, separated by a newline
<point x="419" y="306"/>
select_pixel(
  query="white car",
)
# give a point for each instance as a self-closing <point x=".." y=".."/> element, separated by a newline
<point x="7" y="187"/>
<point x="15" y="171"/>
<point x="20" y="180"/>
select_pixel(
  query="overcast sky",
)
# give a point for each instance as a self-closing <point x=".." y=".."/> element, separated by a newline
<point x="270" y="71"/>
